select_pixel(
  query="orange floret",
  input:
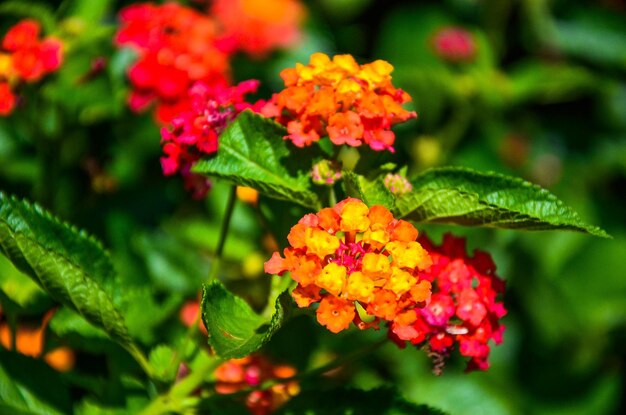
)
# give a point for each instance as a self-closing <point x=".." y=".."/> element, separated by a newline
<point x="335" y="314"/>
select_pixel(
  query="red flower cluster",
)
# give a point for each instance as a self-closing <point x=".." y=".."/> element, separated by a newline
<point x="176" y="47"/>
<point x="454" y="44"/>
<point x="195" y="132"/>
<point x="463" y="307"/>
<point x="25" y="57"/>
<point x="350" y="103"/>
<point x="237" y="374"/>
<point x="257" y="27"/>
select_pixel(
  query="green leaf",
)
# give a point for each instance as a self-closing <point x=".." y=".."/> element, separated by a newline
<point x="71" y="266"/>
<point x="250" y="154"/>
<point x="235" y="330"/>
<point x="23" y="294"/>
<point x="161" y="358"/>
<point x="29" y="386"/>
<point x="370" y="192"/>
<point x="343" y="401"/>
<point x="41" y="12"/>
<point x="466" y="197"/>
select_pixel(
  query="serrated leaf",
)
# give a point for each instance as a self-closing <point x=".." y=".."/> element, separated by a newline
<point x="161" y="358"/>
<point x="371" y="192"/>
<point x="29" y="386"/>
<point x="65" y="262"/>
<point x="250" y="154"/>
<point x="235" y="330"/>
<point x="466" y="197"/>
<point x="343" y="401"/>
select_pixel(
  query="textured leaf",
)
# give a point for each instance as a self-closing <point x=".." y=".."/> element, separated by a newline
<point x="20" y="290"/>
<point x="235" y="330"/>
<point x="382" y="401"/>
<point x="250" y="154"/>
<point x="29" y="386"/>
<point x="465" y="197"/>
<point x="66" y="263"/>
<point x="370" y="192"/>
<point x="161" y="358"/>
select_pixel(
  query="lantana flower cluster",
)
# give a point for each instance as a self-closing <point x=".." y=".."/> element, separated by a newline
<point x="179" y="46"/>
<point x="25" y="57"/>
<point x="176" y="47"/>
<point x="353" y="256"/>
<point x="350" y="103"/>
<point x="454" y="44"/>
<point x="195" y="132"/>
<point x="258" y="27"/>
<point x="252" y="371"/>
<point x="463" y="309"/>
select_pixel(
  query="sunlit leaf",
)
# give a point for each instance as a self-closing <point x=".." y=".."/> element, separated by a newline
<point x="466" y="197"/>
<point x="371" y="192"/>
<point x="235" y="330"/>
<point x="252" y="153"/>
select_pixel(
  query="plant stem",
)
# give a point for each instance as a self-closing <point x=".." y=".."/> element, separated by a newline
<point x="141" y="359"/>
<point x="332" y="197"/>
<point x="219" y="250"/>
<point x="232" y="197"/>
<point x="178" y="396"/>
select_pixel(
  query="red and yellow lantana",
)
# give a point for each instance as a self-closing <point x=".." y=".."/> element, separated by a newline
<point x="353" y="255"/>
<point x="25" y="58"/>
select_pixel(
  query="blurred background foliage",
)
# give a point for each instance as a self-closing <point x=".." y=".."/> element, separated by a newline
<point x="544" y="98"/>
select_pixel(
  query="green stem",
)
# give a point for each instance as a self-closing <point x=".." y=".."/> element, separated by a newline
<point x="141" y="359"/>
<point x="219" y="250"/>
<point x="232" y="197"/>
<point x="178" y="396"/>
<point x="332" y="197"/>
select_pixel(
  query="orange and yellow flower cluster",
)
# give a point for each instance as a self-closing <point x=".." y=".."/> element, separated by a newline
<point x="353" y="256"/>
<point x="350" y="103"/>
<point x="25" y="57"/>
<point x="251" y="371"/>
<point x="258" y="27"/>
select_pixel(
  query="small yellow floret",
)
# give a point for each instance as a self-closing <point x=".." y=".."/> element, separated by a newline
<point x="400" y="281"/>
<point x="320" y="243"/>
<point x="354" y="217"/>
<point x="376" y="265"/>
<point x="360" y="287"/>
<point x="332" y="278"/>
<point x="408" y="255"/>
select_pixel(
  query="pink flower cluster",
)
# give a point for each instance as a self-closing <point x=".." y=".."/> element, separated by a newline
<point x="195" y="132"/>
<point x="463" y="309"/>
